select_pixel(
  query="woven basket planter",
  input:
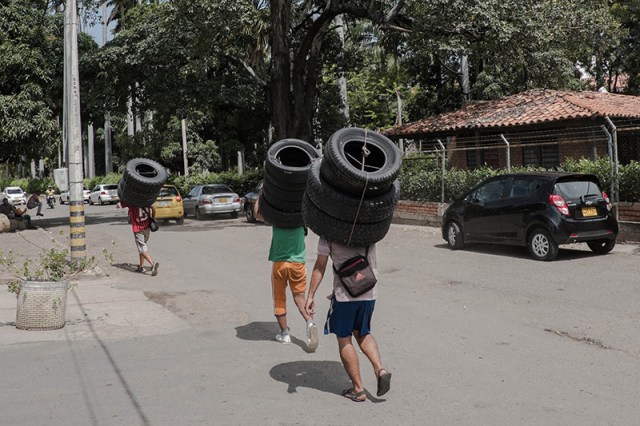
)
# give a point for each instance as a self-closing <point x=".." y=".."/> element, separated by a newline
<point x="42" y="305"/>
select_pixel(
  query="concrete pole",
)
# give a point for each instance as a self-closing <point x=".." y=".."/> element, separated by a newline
<point x="33" y="169"/>
<point x="240" y="162"/>
<point x="72" y="94"/>
<point x="90" y="154"/>
<point x="108" y="159"/>
<point x="184" y="148"/>
<point x="41" y="168"/>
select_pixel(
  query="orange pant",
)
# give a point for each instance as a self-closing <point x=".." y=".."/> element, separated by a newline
<point x="295" y="274"/>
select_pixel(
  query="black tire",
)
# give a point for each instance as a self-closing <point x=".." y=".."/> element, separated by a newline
<point x="277" y="217"/>
<point x="288" y="162"/>
<point x="132" y="197"/>
<point x="601" y="246"/>
<point x="144" y="175"/>
<point x="358" y="235"/>
<point x="180" y="221"/>
<point x="541" y="245"/>
<point x="61" y="202"/>
<point x="342" y="163"/>
<point x="248" y="211"/>
<point x="455" y="237"/>
<point x="281" y="198"/>
<point x="348" y="207"/>
<point x="198" y="214"/>
<point x="91" y="201"/>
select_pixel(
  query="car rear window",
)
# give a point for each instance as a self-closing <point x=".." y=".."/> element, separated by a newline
<point x="573" y="190"/>
<point x="108" y="187"/>
<point x="168" y="192"/>
<point x="218" y="189"/>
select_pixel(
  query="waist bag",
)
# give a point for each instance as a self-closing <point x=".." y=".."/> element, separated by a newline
<point x="356" y="275"/>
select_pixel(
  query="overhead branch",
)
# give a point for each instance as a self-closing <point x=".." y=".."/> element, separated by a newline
<point x="249" y="69"/>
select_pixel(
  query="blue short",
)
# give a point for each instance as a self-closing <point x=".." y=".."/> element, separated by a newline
<point x="346" y="317"/>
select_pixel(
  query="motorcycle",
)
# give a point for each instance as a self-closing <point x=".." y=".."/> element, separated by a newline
<point x="51" y="201"/>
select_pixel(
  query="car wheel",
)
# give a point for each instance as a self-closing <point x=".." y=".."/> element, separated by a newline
<point x="180" y="221"/>
<point x="100" y="201"/>
<point x="542" y="246"/>
<point x="455" y="238"/>
<point x="248" y="211"/>
<point x="601" y="246"/>
<point x="198" y="215"/>
<point x="90" y="201"/>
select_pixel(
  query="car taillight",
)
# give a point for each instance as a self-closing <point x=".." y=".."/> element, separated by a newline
<point x="103" y="193"/>
<point x="206" y="201"/>
<point x="236" y="200"/>
<point x="606" y="198"/>
<point x="178" y="199"/>
<point x="560" y="204"/>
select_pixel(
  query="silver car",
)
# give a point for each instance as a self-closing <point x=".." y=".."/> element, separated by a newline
<point x="104" y="194"/>
<point x="15" y="195"/>
<point x="64" y="196"/>
<point x="212" y="199"/>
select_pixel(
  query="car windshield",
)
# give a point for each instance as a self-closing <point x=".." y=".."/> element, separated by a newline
<point x="168" y="191"/>
<point x="108" y="187"/>
<point x="573" y="190"/>
<point x="216" y="189"/>
<point x="14" y="191"/>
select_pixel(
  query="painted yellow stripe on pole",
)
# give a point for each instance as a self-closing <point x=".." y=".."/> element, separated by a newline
<point x="79" y="242"/>
<point x="76" y="219"/>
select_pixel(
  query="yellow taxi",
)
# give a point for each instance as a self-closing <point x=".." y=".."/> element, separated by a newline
<point x="168" y="205"/>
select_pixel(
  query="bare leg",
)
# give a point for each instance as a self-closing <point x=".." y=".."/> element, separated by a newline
<point x="369" y="347"/>
<point x="282" y="321"/>
<point x="145" y="256"/>
<point x="350" y="361"/>
<point x="300" y="300"/>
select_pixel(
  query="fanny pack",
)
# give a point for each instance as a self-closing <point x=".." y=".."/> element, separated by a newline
<point x="356" y="275"/>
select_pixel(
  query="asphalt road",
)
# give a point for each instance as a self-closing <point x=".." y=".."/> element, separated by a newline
<point x="483" y="336"/>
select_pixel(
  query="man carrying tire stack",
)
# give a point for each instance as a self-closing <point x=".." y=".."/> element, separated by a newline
<point x="287" y="252"/>
<point x="140" y="185"/>
<point x="349" y="202"/>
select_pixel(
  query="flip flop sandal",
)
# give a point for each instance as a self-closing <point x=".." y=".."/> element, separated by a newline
<point x="384" y="382"/>
<point x="355" y="397"/>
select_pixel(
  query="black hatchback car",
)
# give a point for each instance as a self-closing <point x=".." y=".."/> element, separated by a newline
<point x="537" y="210"/>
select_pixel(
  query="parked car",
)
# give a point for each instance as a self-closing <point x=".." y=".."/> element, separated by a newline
<point x="64" y="196"/>
<point x="169" y="204"/>
<point x="537" y="210"/>
<point x="104" y="194"/>
<point x="212" y="199"/>
<point x="15" y="195"/>
<point x="249" y="200"/>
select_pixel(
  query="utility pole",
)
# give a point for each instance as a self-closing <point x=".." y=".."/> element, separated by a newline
<point x="74" y="133"/>
<point x="184" y="148"/>
<point x="108" y="162"/>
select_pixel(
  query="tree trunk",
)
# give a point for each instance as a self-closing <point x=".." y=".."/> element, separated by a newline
<point x="280" y="72"/>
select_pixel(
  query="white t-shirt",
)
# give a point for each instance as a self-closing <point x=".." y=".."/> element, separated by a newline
<point x="339" y="253"/>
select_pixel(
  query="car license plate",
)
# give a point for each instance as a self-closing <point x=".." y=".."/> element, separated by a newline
<point x="589" y="211"/>
<point x="163" y="204"/>
<point x="222" y="200"/>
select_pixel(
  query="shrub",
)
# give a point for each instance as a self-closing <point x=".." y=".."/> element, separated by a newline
<point x="241" y="184"/>
<point x="111" y="178"/>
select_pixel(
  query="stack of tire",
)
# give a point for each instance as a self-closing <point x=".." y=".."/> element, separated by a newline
<point x="141" y="182"/>
<point x="350" y="197"/>
<point x="285" y="178"/>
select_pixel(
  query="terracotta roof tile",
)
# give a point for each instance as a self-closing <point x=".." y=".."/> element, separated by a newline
<point x="531" y="107"/>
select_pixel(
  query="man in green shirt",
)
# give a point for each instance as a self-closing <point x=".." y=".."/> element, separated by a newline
<point x="288" y="255"/>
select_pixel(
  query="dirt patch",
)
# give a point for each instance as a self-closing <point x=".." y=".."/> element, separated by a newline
<point x="200" y="307"/>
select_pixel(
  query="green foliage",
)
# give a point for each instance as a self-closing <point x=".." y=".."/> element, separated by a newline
<point x="241" y="184"/>
<point x="52" y="265"/>
<point x="111" y="178"/>
<point x="421" y="177"/>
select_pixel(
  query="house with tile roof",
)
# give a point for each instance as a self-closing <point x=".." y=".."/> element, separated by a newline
<point x="535" y="128"/>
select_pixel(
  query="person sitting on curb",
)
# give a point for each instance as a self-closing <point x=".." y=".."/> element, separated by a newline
<point x="12" y="212"/>
<point x="34" y="201"/>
